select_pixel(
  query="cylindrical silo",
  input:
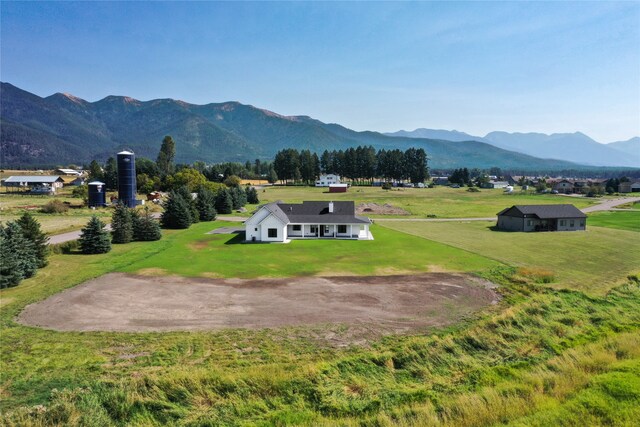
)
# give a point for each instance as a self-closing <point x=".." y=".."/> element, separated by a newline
<point x="97" y="194"/>
<point x="127" y="178"/>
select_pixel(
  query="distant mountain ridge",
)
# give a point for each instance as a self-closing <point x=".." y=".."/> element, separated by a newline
<point x="62" y="129"/>
<point x="576" y="147"/>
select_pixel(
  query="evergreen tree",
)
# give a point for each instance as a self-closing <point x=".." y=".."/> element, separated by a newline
<point x="224" y="202"/>
<point x="111" y="174"/>
<point x="121" y="225"/>
<point x="166" y="157"/>
<point x="95" y="171"/>
<point x="94" y="239"/>
<point x="18" y="257"/>
<point x="273" y="176"/>
<point x="185" y="193"/>
<point x="177" y="212"/>
<point x="252" y="196"/>
<point x="32" y="232"/>
<point x="145" y="227"/>
<point x="206" y="204"/>
<point x="238" y="197"/>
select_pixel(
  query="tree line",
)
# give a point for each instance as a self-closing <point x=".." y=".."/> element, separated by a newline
<point x="361" y="164"/>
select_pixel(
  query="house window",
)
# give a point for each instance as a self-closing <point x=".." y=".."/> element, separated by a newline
<point x="528" y="223"/>
<point x="342" y="228"/>
<point x="563" y="222"/>
<point x="582" y="223"/>
<point x="256" y="228"/>
<point x="313" y="228"/>
<point x="571" y="223"/>
<point x="297" y="227"/>
<point x="272" y="233"/>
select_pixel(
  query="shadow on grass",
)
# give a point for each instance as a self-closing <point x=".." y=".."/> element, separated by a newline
<point x="237" y="239"/>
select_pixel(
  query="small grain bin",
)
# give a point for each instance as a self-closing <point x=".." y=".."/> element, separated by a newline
<point x="97" y="194"/>
<point x="127" y="178"/>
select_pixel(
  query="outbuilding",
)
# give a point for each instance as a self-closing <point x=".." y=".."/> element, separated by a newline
<point x="34" y="184"/>
<point x="542" y="218"/>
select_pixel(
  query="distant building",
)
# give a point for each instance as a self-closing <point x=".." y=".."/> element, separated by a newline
<point x="338" y="188"/>
<point x="542" y="218"/>
<point x="564" y="186"/>
<point x="327" y="180"/>
<point x="34" y="184"/>
<point x="494" y="184"/>
<point x="441" y="180"/>
<point x="72" y="172"/>
<point x="629" y="187"/>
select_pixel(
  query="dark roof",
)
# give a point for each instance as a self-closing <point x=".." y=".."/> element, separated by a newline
<point x="318" y="212"/>
<point x="543" y="211"/>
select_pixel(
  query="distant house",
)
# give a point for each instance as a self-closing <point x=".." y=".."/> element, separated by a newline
<point x="542" y="218"/>
<point x="78" y="181"/>
<point x="629" y="187"/>
<point x="564" y="186"/>
<point x="327" y="180"/>
<point x="495" y="184"/>
<point x="34" y="184"/>
<point x="281" y="222"/>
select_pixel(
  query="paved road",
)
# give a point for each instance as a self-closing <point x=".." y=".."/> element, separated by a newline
<point x="609" y="204"/>
<point x="67" y="237"/>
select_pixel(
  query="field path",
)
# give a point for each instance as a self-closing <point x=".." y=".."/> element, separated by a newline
<point x="610" y="204"/>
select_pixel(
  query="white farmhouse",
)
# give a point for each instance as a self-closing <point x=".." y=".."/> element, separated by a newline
<point x="281" y="222"/>
<point x="327" y="180"/>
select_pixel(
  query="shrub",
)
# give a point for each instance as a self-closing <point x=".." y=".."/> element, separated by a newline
<point x="80" y="192"/>
<point x="252" y="196"/>
<point x="386" y="186"/>
<point x="66" y="247"/>
<point x="17" y="255"/>
<point x="473" y="190"/>
<point x="55" y="206"/>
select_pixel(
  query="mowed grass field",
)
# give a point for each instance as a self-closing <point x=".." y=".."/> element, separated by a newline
<point x="592" y="261"/>
<point x="443" y="202"/>
<point x="195" y="253"/>
<point x="616" y="219"/>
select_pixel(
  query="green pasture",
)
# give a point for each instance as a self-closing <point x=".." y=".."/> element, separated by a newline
<point x="616" y="219"/>
<point x="592" y="261"/>
<point x="443" y="202"/>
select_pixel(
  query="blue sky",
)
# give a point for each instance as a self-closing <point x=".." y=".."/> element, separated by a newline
<point x="474" y="67"/>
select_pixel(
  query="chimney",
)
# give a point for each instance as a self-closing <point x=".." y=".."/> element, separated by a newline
<point x="330" y="207"/>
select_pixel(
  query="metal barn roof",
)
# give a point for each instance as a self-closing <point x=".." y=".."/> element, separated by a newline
<point x="34" y="179"/>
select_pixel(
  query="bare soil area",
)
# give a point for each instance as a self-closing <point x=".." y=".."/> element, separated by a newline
<point x="368" y="306"/>
<point x="376" y="209"/>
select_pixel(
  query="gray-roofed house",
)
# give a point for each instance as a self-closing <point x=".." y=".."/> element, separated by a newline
<point x="542" y="218"/>
<point x="281" y="222"/>
<point x="35" y="184"/>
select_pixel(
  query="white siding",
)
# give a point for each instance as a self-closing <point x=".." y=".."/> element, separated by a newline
<point x="272" y="222"/>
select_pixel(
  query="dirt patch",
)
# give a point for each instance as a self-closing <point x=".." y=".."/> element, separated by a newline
<point x="349" y="309"/>
<point x="198" y="245"/>
<point x="376" y="209"/>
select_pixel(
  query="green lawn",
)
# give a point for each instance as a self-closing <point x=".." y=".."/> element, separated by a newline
<point x="616" y="219"/>
<point x="591" y="261"/>
<point x="194" y="253"/>
<point x="443" y="202"/>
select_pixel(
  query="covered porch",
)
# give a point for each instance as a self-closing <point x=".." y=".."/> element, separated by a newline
<point x="329" y="231"/>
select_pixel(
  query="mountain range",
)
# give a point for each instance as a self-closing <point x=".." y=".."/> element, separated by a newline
<point x="62" y="129"/>
<point x="575" y="147"/>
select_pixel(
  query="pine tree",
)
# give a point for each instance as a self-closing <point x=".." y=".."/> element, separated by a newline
<point x="166" y="156"/>
<point x="18" y="258"/>
<point x="145" y="227"/>
<point x="185" y="193"/>
<point x="94" y="239"/>
<point x="32" y="232"/>
<point x="121" y="225"/>
<point x="252" y="196"/>
<point x="238" y="197"/>
<point x="177" y="212"/>
<point x="206" y="204"/>
<point x="224" y="202"/>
